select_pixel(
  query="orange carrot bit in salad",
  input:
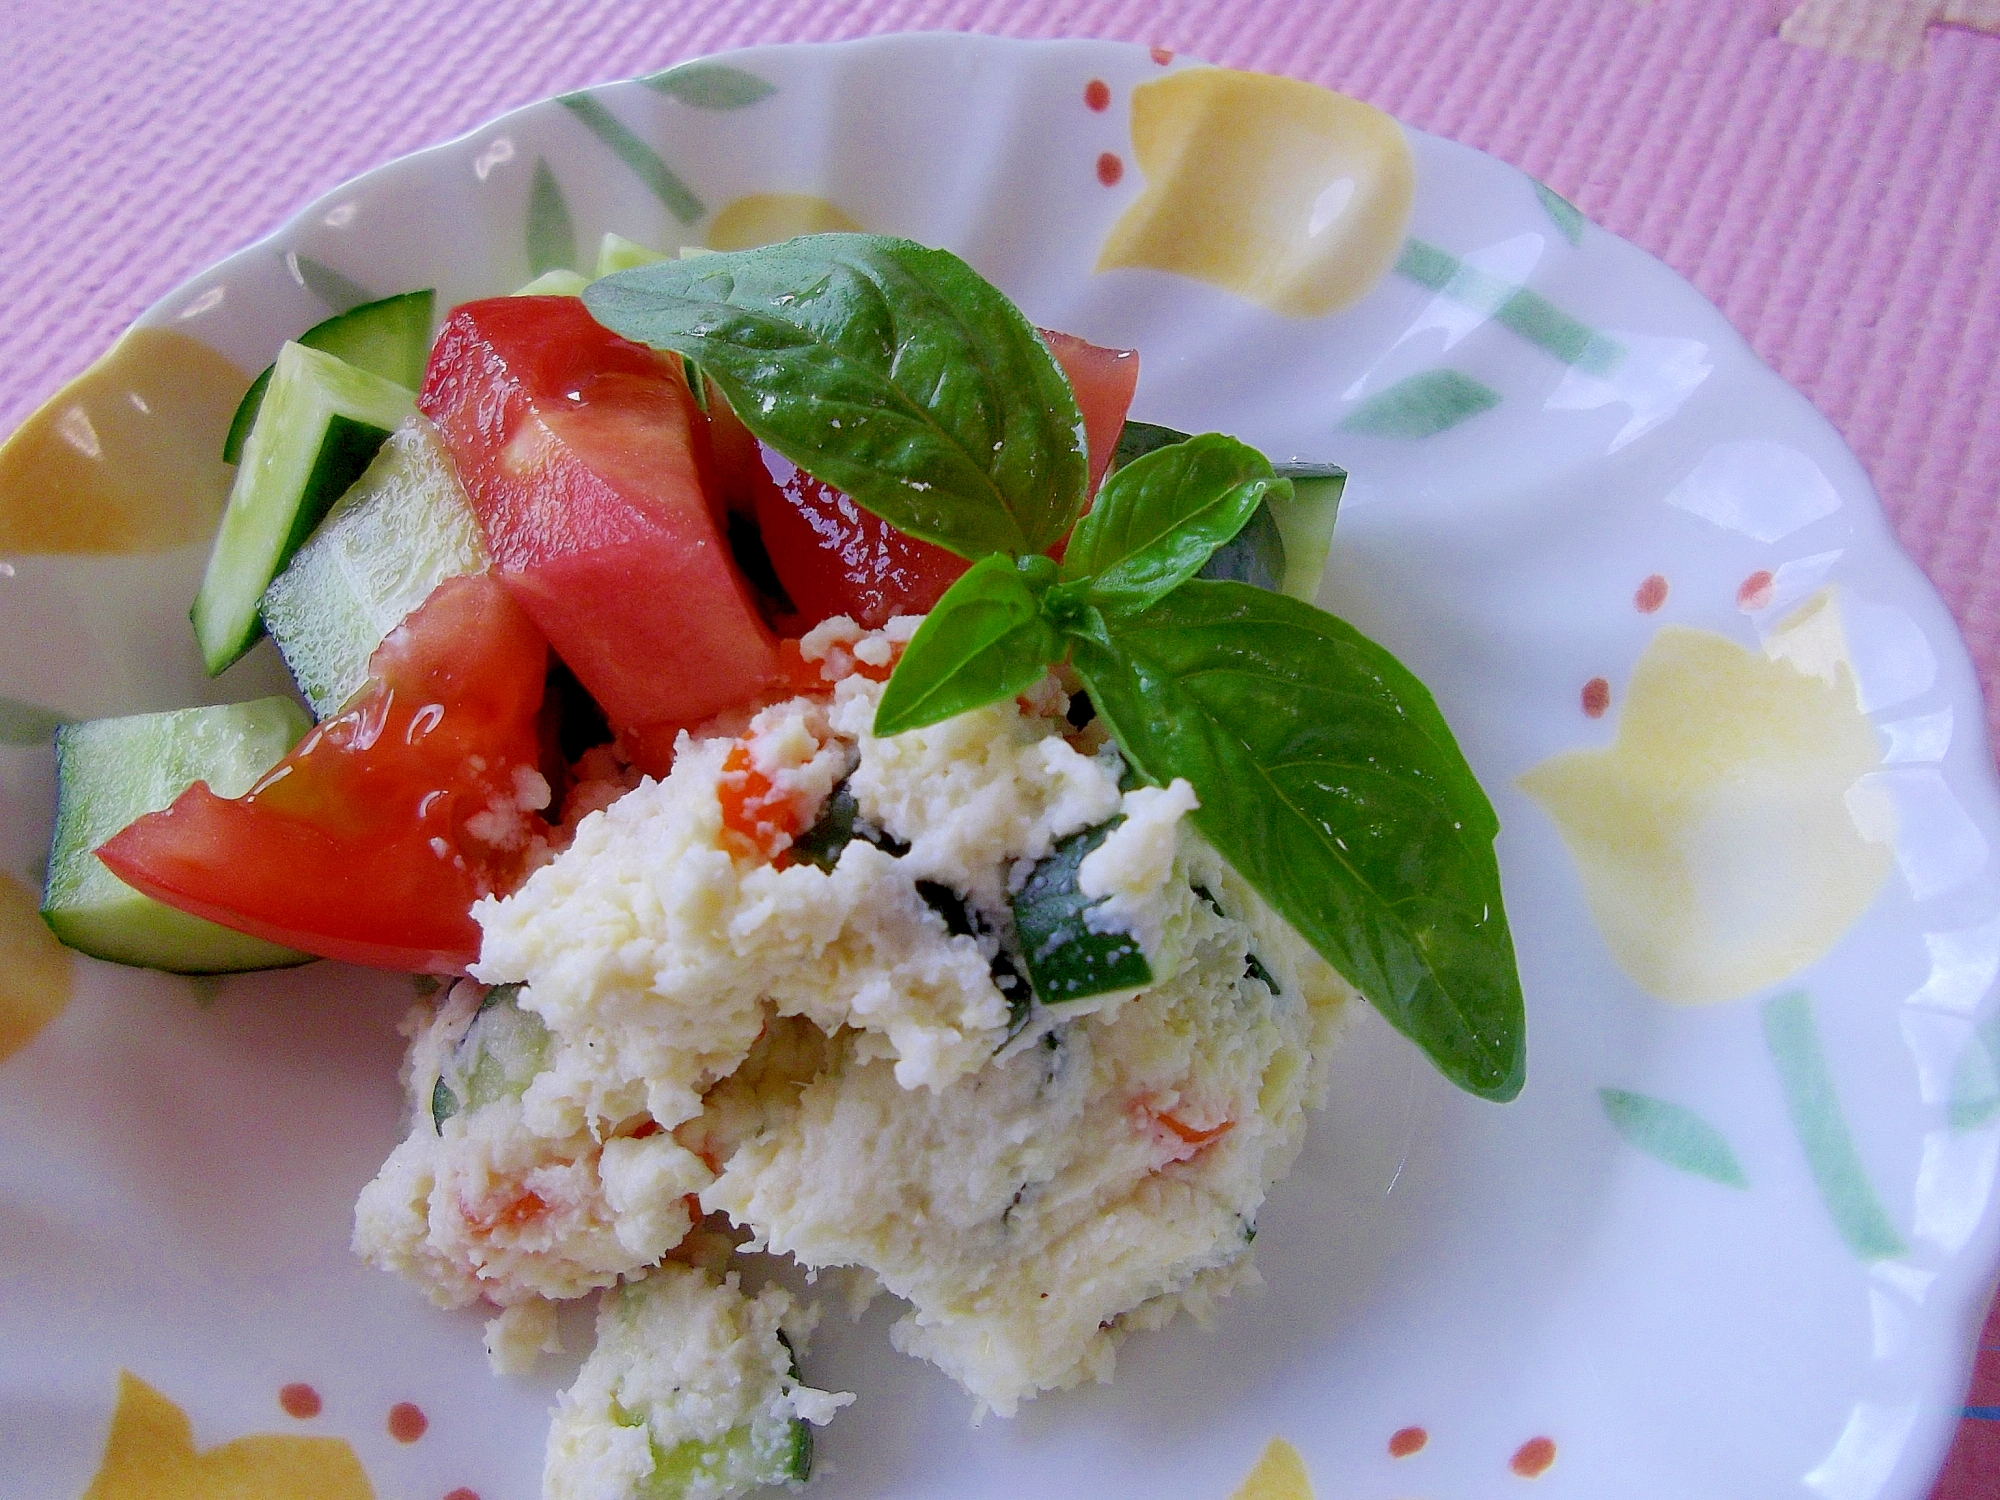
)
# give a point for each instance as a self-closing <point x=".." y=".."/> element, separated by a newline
<point x="879" y="673"/>
<point x="802" y="678"/>
<point x="1175" y="1137"/>
<point x="757" y="819"/>
<point x="838" y="662"/>
<point x="522" y="1209"/>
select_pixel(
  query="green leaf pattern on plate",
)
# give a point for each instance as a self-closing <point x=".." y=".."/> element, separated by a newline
<point x="644" y="161"/>
<point x="1673" y="1134"/>
<point x="1525" y="312"/>
<point x="1565" y="214"/>
<point x="1793" y="1037"/>
<point x="551" y="231"/>
<point x="1421" y="406"/>
<point x="1975" y="1084"/>
<point x="27" y="723"/>
<point x="711" y="85"/>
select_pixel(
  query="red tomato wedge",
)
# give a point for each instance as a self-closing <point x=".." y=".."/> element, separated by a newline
<point x="1104" y="380"/>
<point x="372" y="839"/>
<point x="587" y="462"/>
<point x="834" y="558"/>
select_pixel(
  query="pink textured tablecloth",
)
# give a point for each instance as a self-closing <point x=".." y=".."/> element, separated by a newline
<point x="1834" y="188"/>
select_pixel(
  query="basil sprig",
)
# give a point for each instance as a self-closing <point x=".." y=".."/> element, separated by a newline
<point x="895" y="373"/>
<point x="1163" y="515"/>
<point x="1325" y="773"/>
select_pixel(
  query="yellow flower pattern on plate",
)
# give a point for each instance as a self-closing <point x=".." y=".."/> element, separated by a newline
<point x="128" y="456"/>
<point x="34" y="969"/>
<point x="765" y="218"/>
<point x="1725" y="839"/>
<point x="150" y="1455"/>
<point x="1280" y="1474"/>
<point x="1285" y="193"/>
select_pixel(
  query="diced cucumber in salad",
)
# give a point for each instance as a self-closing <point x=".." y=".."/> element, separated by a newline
<point x="502" y="1050"/>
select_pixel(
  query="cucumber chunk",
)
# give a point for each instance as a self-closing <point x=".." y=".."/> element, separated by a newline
<point x="402" y="529"/>
<point x="497" y="1058"/>
<point x="1255" y="555"/>
<point x="109" y="772"/>
<point x="561" y="282"/>
<point x="1067" y="958"/>
<point x="1306" y="524"/>
<point x="1283" y="547"/>
<point x="319" y="427"/>
<point x="616" y="253"/>
<point x="390" y="338"/>
<point x="705" y="1375"/>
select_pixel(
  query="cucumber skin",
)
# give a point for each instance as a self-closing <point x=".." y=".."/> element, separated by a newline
<point x="344" y="456"/>
<point x="111" y="771"/>
<point x="390" y="338"/>
<point x="1304" y="523"/>
<point x="1066" y="959"/>
<point x="246" y="555"/>
<point x="246" y="416"/>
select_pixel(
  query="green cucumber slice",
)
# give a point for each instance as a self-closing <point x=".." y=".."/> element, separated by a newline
<point x="1137" y="439"/>
<point x="1255" y="555"/>
<point x="730" y="1465"/>
<point x="402" y="529"/>
<point x="616" y="253"/>
<point x="246" y="417"/>
<point x="319" y="427"/>
<point x="1067" y="958"/>
<point x="1306" y="524"/>
<point x="561" y="282"/>
<point x="390" y="338"/>
<point x="111" y="771"/>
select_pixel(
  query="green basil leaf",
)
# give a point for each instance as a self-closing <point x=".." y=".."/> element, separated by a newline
<point x="1161" y="517"/>
<point x="1137" y="439"/>
<point x="890" y="371"/>
<point x="985" y="640"/>
<point x="1330" y="781"/>
<point x="1067" y="958"/>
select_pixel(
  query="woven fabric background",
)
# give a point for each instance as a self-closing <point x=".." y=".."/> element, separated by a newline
<point x="1827" y="172"/>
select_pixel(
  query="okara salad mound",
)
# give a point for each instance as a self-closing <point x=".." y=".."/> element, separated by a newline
<point x="864" y="801"/>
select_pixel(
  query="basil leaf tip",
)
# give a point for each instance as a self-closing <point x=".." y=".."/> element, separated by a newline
<point x="985" y="640"/>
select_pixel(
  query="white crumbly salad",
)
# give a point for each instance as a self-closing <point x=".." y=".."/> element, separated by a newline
<point x="686" y="1048"/>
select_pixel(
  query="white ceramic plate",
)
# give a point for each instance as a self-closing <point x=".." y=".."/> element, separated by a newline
<point x="1733" y="1238"/>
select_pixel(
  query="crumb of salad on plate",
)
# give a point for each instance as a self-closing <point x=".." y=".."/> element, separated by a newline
<point x="873" y="807"/>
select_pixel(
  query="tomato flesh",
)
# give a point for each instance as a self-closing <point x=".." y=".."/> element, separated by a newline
<point x="371" y="840"/>
<point x="834" y="558"/>
<point x="1104" y="381"/>
<point x="588" y="466"/>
